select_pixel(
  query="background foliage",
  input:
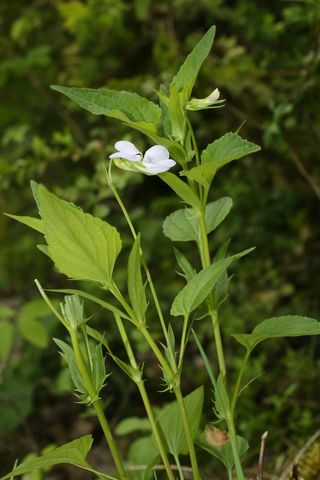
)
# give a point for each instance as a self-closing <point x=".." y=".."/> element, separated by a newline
<point x="266" y="64"/>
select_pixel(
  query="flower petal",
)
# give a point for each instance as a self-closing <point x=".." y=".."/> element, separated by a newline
<point x="159" y="167"/>
<point x="127" y="147"/>
<point x="156" y="154"/>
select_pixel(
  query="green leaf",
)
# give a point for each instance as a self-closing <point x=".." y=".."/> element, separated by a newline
<point x="98" y="363"/>
<point x="183" y="225"/>
<point x="201" y="285"/>
<point x="187" y="269"/>
<point x="73" y="453"/>
<point x="216" y="212"/>
<point x="125" y="106"/>
<point x="172" y="426"/>
<point x="227" y="148"/>
<point x="222" y="151"/>
<point x="7" y="336"/>
<point x="181" y="189"/>
<point x="81" y="246"/>
<point x="224" y="452"/>
<point x="33" y="331"/>
<point x="142" y="452"/>
<point x="276" y="327"/>
<point x="188" y="72"/>
<point x="132" y="424"/>
<point x="136" y="288"/>
<point x="35" y="223"/>
<point x="221" y="398"/>
<point x="32" y="323"/>
<point x="177" y="115"/>
<point x="68" y="354"/>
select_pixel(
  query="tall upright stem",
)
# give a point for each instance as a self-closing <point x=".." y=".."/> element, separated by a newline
<point x="204" y="251"/>
<point x="206" y="262"/>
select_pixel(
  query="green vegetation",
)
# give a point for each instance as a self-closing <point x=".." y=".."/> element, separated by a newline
<point x="266" y="64"/>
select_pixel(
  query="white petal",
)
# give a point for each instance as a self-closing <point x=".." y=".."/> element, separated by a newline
<point x="156" y="154"/>
<point x="159" y="167"/>
<point x="127" y="147"/>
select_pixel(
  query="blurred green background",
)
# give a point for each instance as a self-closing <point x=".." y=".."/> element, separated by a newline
<point x="265" y="62"/>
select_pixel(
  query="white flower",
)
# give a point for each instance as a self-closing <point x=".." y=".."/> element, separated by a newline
<point x="211" y="101"/>
<point x="155" y="160"/>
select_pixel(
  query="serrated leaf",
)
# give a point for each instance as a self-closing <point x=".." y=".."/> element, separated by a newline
<point x="201" y="285"/>
<point x="136" y="287"/>
<point x="172" y="426"/>
<point x="34" y="223"/>
<point x="99" y="373"/>
<point x="188" y="72"/>
<point x="183" y="225"/>
<point x="81" y="246"/>
<point x="113" y="103"/>
<point x="277" y="327"/>
<point x="68" y="354"/>
<point x="132" y="424"/>
<point x="227" y="148"/>
<point x="73" y="453"/>
<point x="181" y="189"/>
<point x="222" y="151"/>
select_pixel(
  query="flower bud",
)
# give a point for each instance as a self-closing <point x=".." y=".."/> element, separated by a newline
<point x="72" y="310"/>
<point x="211" y="101"/>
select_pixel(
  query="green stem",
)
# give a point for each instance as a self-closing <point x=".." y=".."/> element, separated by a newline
<point x="183" y="342"/>
<point x="177" y="460"/>
<point x="185" y="420"/>
<point x="97" y="405"/>
<point x="234" y="446"/>
<point x="206" y="262"/>
<point x="204" y="250"/>
<point x="145" y="398"/>
<point x="218" y="340"/>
